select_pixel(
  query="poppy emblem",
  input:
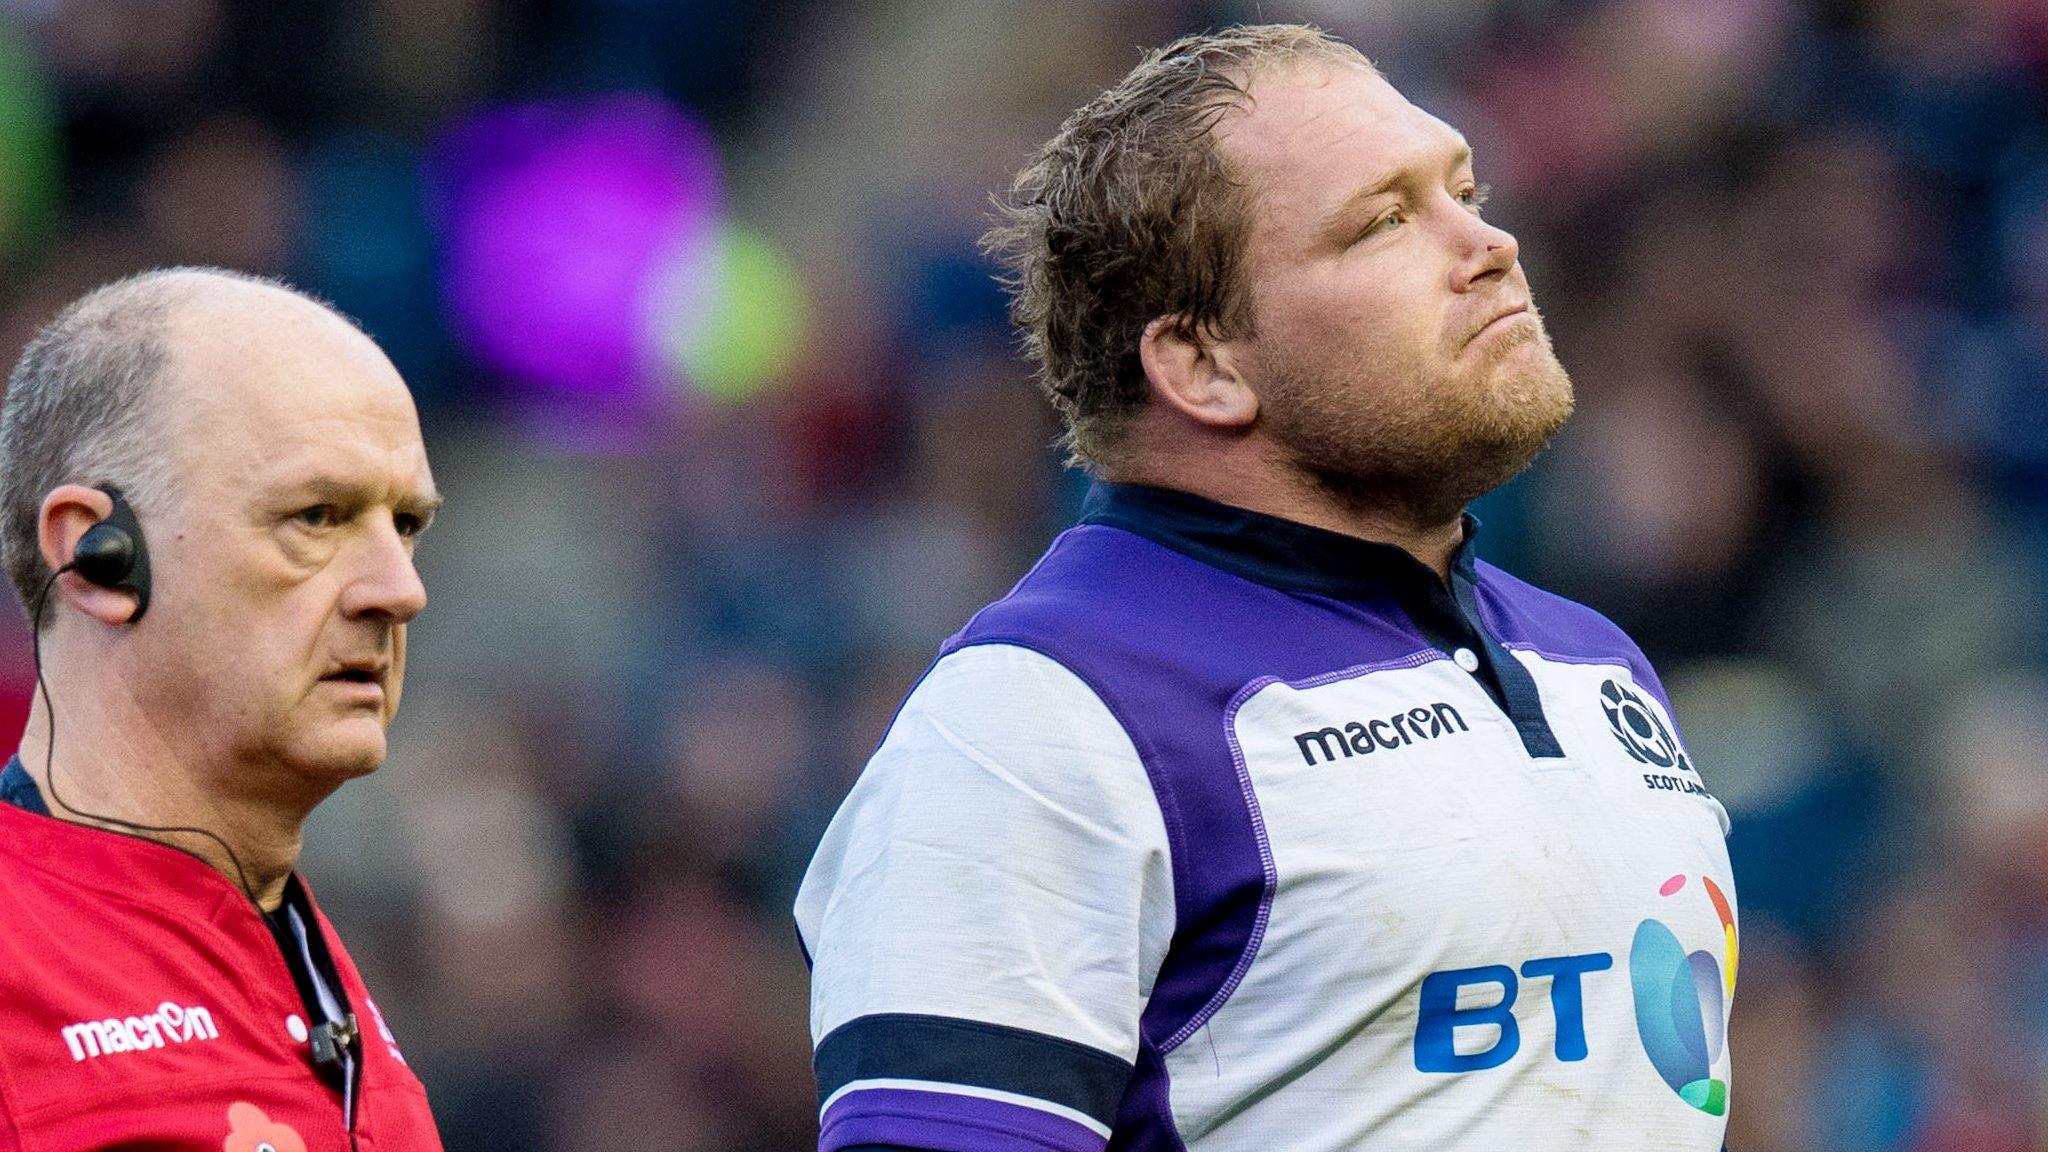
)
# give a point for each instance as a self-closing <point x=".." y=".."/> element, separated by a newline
<point x="252" y="1131"/>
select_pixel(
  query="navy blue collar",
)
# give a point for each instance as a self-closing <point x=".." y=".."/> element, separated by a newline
<point x="1298" y="558"/>
<point x="18" y="788"/>
<point x="1279" y="553"/>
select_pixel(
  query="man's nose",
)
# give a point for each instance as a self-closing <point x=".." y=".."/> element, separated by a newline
<point x="1489" y="253"/>
<point x="385" y="585"/>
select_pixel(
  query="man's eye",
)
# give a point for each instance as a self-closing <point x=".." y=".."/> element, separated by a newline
<point x="318" y="516"/>
<point x="1476" y="196"/>
<point x="409" y="525"/>
<point x="1387" y="223"/>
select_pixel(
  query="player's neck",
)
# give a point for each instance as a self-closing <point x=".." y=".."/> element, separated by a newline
<point x="111" y="761"/>
<point x="1280" y="493"/>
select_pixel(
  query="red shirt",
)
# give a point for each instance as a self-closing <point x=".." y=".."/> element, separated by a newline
<point x="145" y="1003"/>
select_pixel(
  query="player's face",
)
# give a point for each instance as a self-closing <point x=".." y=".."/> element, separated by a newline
<point x="284" y="572"/>
<point x="1397" y="354"/>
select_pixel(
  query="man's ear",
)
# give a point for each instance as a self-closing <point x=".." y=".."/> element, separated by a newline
<point x="67" y="512"/>
<point x="1195" y="374"/>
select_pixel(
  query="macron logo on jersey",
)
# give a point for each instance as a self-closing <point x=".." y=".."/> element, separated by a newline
<point x="1363" y="738"/>
<point x="168" y="1024"/>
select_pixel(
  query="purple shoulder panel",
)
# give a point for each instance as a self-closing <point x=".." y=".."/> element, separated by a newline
<point x="1523" y="616"/>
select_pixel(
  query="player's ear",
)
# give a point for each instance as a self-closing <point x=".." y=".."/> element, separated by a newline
<point x="1195" y="374"/>
<point x="66" y="513"/>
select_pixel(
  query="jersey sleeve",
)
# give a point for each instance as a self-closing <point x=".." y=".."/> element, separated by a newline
<point x="985" y="917"/>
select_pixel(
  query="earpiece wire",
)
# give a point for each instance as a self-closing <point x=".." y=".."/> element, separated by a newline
<point x="50" y="754"/>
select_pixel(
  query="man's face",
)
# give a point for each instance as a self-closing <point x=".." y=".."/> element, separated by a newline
<point x="284" y="570"/>
<point x="1397" y="356"/>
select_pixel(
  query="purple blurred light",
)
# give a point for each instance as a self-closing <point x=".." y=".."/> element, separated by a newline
<point x="557" y="217"/>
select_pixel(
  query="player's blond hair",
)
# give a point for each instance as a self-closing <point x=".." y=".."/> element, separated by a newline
<point x="1130" y="214"/>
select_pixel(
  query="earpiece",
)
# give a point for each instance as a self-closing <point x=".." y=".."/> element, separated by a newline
<point x="112" y="554"/>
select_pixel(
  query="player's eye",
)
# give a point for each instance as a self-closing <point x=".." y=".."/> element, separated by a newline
<point x="409" y="525"/>
<point x="1475" y="196"/>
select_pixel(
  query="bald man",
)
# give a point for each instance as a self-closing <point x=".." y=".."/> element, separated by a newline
<point x="210" y="491"/>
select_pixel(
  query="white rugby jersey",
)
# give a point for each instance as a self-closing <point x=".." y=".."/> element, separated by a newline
<point x="1224" y="832"/>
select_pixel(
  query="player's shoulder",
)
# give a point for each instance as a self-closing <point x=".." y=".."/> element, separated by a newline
<point x="1091" y="575"/>
<point x="993" y="730"/>
<point x="1556" y="627"/>
<point x="1539" y="613"/>
<point x="1005" y="677"/>
<point x="1102" y="599"/>
<point x="1008" y="702"/>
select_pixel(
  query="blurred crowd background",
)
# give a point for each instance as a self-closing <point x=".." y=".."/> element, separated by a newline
<point x="734" y="433"/>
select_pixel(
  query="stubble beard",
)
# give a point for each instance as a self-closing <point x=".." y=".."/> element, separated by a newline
<point x="1420" y="456"/>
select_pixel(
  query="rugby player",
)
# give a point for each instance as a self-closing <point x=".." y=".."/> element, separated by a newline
<point x="210" y="491"/>
<point x="1262" y="815"/>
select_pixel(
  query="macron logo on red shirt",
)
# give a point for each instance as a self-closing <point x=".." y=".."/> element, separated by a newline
<point x="169" y="1024"/>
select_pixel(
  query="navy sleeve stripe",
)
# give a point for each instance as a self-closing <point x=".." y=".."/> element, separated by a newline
<point x="897" y="1046"/>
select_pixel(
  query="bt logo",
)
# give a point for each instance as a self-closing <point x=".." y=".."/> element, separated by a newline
<point x="1436" y="1032"/>
<point x="1681" y="1006"/>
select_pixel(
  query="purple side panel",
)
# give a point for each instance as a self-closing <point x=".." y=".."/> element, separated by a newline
<point x="948" y="1122"/>
<point x="1168" y="643"/>
<point x="1145" y="1121"/>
